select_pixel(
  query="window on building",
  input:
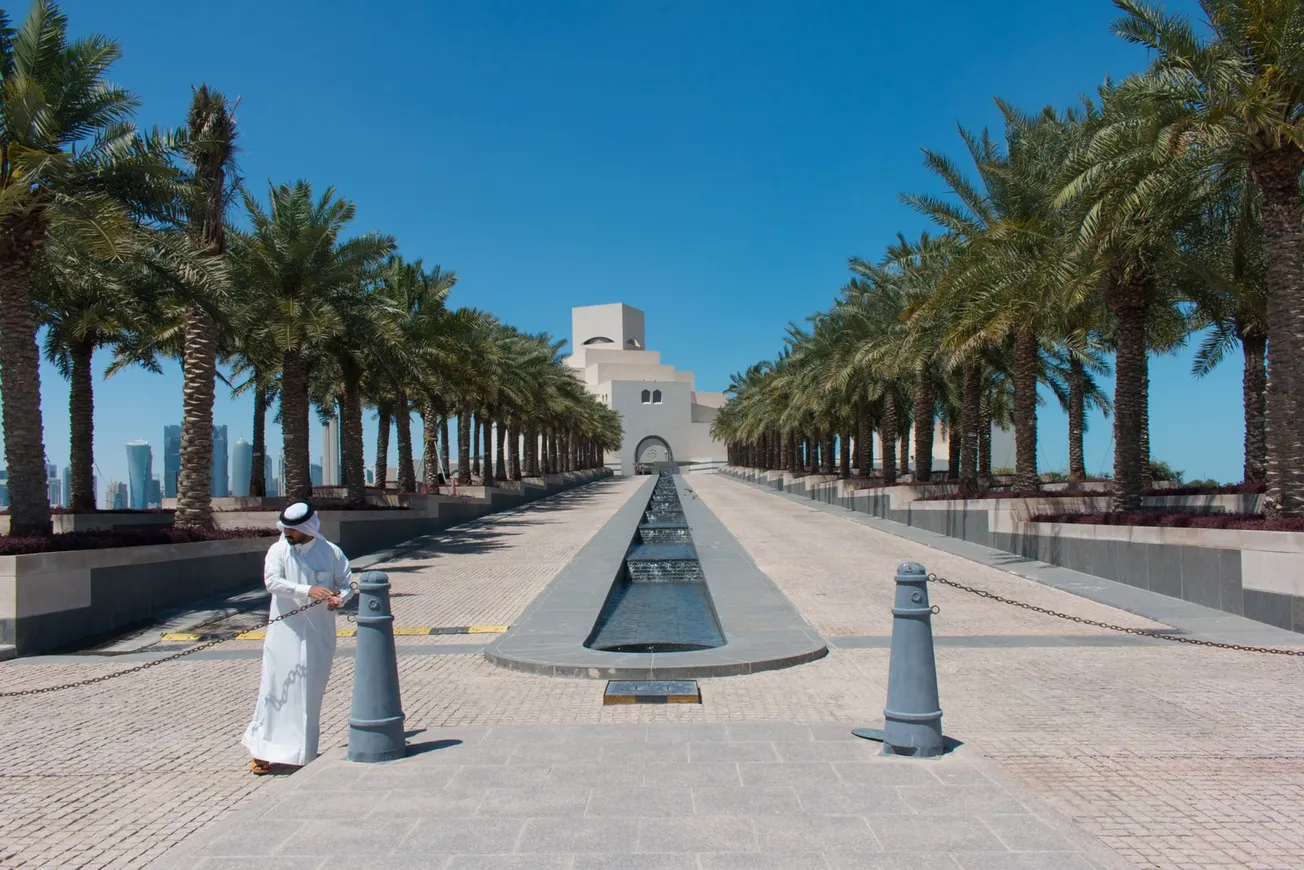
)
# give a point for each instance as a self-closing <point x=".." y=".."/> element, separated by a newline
<point x="599" y="339"/>
<point x="647" y="397"/>
<point x="656" y="397"/>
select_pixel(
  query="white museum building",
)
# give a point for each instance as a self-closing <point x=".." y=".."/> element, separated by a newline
<point x="665" y="418"/>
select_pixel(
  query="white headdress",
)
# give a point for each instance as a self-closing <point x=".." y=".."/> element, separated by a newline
<point x="301" y="517"/>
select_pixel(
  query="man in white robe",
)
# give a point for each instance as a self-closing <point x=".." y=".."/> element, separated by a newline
<point x="297" y="652"/>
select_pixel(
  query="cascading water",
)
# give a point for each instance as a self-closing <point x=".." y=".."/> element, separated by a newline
<point x="659" y="602"/>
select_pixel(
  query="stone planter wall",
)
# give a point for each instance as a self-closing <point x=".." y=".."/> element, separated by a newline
<point x="52" y="601"/>
<point x="94" y="522"/>
<point x="1259" y="575"/>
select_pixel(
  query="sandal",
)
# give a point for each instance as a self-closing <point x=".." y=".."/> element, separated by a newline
<point x="259" y="768"/>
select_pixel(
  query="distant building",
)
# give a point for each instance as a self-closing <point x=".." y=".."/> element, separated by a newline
<point x="55" y="492"/>
<point x="221" y="483"/>
<point x="171" y="459"/>
<point x="330" y="453"/>
<point x="4" y="488"/>
<point x="314" y="474"/>
<point x="270" y="480"/>
<point x="67" y="487"/>
<point x="51" y="471"/>
<point x="242" y="465"/>
<point x="116" y="496"/>
<point x="140" y="472"/>
<point x="665" y="417"/>
<point x="155" y="493"/>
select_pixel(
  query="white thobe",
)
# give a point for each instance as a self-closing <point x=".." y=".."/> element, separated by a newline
<point x="297" y="652"/>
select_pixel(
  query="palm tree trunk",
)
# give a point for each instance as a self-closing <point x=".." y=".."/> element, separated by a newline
<point x="81" y="422"/>
<point x="903" y="454"/>
<point x="199" y="370"/>
<point x="407" y="470"/>
<point x="445" y="448"/>
<point x="464" y="447"/>
<point x="386" y="412"/>
<point x="353" y="450"/>
<point x="1276" y="173"/>
<point x="258" y="467"/>
<point x="1026" y="364"/>
<point x="1253" y="391"/>
<point x="864" y="442"/>
<point x="925" y="404"/>
<point x="954" y="440"/>
<point x="500" y="464"/>
<point x="475" y="446"/>
<point x="985" y="442"/>
<point x="488" y="429"/>
<point x="512" y="448"/>
<point x="294" y="428"/>
<point x="844" y="455"/>
<point x="430" y="445"/>
<point x="826" y="453"/>
<point x="888" y="435"/>
<point x="1147" y="478"/>
<point x="1129" y="303"/>
<point x="1077" y="418"/>
<point x="969" y="422"/>
<point x="20" y="383"/>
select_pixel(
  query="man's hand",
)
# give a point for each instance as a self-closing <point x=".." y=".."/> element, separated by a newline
<point x="333" y="603"/>
<point x="320" y="593"/>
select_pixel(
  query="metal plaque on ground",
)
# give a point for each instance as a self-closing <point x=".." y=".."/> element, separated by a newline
<point x="652" y="692"/>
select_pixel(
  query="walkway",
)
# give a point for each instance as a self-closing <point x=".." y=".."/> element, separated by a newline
<point x="1172" y="756"/>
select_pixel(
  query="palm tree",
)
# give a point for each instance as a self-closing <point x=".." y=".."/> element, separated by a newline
<point x="210" y="150"/>
<point x="1241" y="96"/>
<point x="295" y="259"/>
<point x="68" y="158"/>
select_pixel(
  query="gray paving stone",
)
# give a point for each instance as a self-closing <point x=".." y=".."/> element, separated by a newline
<point x="732" y="751"/>
<point x="504" y="776"/>
<point x="560" y="753"/>
<point x="380" y="778"/>
<point x="890" y="861"/>
<point x="757" y="861"/>
<point x="860" y="800"/>
<point x="641" y="801"/>
<point x="1022" y="861"/>
<point x="933" y="833"/>
<point x="569" y="801"/>
<point x="827" y="750"/>
<point x="591" y="734"/>
<point x="509" y="862"/>
<point x="516" y="735"/>
<point x="697" y="773"/>
<point x="337" y="837"/>
<point x="625" y="753"/>
<point x="816" y="834"/>
<point x="577" y="835"/>
<point x="262" y="837"/>
<point x="786" y="773"/>
<point x="771" y="732"/>
<point x="687" y="733"/>
<point x="957" y="799"/>
<point x="885" y="771"/>
<point x="698" y="834"/>
<point x="621" y="861"/>
<point x="413" y="804"/>
<point x="591" y="775"/>
<point x="461" y="836"/>
<point x="298" y="807"/>
<point x="1022" y="833"/>
<point x="750" y="801"/>
<point x="273" y="862"/>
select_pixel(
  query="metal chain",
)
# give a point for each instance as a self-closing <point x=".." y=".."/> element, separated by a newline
<point x="1144" y="632"/>
<point x="353" y="586"/>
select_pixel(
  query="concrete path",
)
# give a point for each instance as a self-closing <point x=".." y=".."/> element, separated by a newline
<point x="1171" y="756"/>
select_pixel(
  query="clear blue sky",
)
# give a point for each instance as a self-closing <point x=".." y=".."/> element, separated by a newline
<point x="714" y="164"/>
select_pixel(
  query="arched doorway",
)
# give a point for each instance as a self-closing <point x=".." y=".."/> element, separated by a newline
<point x="653" y="448"/>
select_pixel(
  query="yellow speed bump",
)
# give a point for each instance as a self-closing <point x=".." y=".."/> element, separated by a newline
<point x="181" y="635"/>
<point x="486" y="629"/>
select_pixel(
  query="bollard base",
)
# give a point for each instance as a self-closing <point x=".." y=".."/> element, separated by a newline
<point x="376" y="757"/>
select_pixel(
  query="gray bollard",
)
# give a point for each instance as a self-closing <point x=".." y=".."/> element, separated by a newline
<point x="376" y="718"/>
<point x="913" y="714"/>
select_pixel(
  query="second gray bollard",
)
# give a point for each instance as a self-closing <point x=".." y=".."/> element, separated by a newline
<point x="913" y="715"/>
<point x="376" y="718"/>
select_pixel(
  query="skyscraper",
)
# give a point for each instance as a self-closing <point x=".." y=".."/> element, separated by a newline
<point x="171" y="459"/>
<point x="67" y="487"/>
<point x="242" y="465"/>
<point x="140" y="471"/>
<point x="272" y="482"/>
<point x="155" y="498"/>
<point x="314" y="474"/>
<point x="221" y="486"/>
<point x="330" y="453"/>
<point x="55" y="492"/>
<point x="115" y="496"/>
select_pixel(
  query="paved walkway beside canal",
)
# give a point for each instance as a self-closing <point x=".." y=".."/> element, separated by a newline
<point x="1170" y="756"/>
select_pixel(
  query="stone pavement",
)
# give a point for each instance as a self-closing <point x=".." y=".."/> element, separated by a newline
<point x="1173" y="756"/>
<point x="663" y="796"/>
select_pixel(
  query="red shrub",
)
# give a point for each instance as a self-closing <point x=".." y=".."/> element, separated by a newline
<point x="1252" y="522"/>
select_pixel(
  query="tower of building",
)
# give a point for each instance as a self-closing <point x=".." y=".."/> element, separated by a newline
<point x="140" y="472"/>
<point x="171" y="460"/>
<point x="330" y="453"/>
<point x="221" y="484"/>
<point x="242" y="466"/>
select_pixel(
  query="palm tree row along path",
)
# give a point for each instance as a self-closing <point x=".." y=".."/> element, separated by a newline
<point x="113" y="238"/>
<point x="1167" y="205"/>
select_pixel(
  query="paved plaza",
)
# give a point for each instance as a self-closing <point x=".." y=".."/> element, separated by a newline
<point x="1082" y="747"/>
